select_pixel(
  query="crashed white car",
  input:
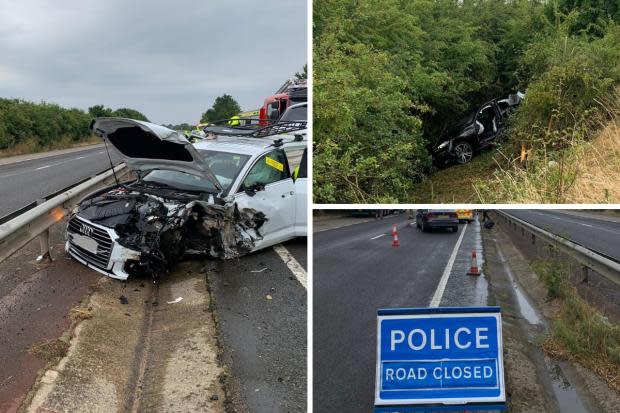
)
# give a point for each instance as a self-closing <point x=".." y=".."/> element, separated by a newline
<point x="222" y="198"/>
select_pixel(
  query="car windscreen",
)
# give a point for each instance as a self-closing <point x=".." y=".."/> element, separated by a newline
<point x="295" y="113"/>
<point x="224" y="165"/>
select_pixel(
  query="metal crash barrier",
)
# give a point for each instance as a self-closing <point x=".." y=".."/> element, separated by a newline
<point x="588" y="258"/>
<point x="36" y="222"/>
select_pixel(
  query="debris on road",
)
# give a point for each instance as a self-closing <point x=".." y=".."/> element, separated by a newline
<point x="123" y="299"/>
<point x="177" y="300"/>
<point x="261" y="270"/>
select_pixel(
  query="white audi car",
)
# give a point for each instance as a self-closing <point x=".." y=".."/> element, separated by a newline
<point x="222" y="197"/>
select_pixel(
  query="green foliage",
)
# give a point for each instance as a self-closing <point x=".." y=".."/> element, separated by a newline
<point x="591" y="15"/>
<point x="581" y="329"/>
<point x="409" y="69"/>
<point x="388" y="73"/>
<point x="45" y="124"/>
<point x="303" y="74"/>
<point x="99" y="111"/>
<point x="555" y="275"/>
<point x="39" y="123"/>
<point x="129" y="113"/>
<point x="570" y="79"/>
<point x="370" y="148"/>
<point x="224" y="107"/>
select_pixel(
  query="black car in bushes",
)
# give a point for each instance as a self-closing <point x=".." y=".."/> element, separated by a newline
<point x="476" y="131"/>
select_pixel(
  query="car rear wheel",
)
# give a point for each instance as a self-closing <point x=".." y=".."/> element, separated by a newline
<point x="463" y="152"/>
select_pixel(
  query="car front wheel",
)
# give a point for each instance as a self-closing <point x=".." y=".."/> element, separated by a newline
<point x="463" y="152"/>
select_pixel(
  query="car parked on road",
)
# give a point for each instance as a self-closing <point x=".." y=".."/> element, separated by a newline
<point x="427" y="219"/>
<point x="475" y="132"/>
<point x="222" y="197"/>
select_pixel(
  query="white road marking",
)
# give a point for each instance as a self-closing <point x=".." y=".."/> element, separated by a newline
<point x="563" y="219"/>
<point x="47" y="166"/>
<point x="378" y="236"/>
<point x="292" y="264"/>
<point x="446" y="272"/>
<point x="52" y="164"/>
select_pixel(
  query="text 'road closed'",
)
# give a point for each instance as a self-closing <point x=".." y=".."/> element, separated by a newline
<point x="449" y="356"/>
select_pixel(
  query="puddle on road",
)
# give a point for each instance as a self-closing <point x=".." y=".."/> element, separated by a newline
<point x="565" y="393"/>
<point x="525" y="308"/>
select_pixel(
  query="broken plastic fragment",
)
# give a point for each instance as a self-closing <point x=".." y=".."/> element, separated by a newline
<point x="177" y="300"/>
<point x="261" y="270"/>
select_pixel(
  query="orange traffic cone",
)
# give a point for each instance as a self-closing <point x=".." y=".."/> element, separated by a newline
<point x="473" y="269"/>
<point x="395" y="241"/>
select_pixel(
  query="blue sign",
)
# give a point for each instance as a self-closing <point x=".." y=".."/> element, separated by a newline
<point x="439" y="356"/>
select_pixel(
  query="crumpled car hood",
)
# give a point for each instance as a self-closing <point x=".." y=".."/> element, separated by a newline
<point x="145" y="146"/>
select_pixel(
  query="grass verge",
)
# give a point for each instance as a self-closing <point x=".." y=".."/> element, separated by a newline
<point x="585" y="170"/>
<point x="456" y="183"/>
<point x="579" y="332"/>
<point x="32" y="146"/>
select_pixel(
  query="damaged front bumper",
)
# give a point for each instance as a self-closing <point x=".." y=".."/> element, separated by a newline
<point x="108" y="257"/>
<point x="124" y="232"/>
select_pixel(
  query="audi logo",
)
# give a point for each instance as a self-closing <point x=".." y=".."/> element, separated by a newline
<point x="86" y="230"/>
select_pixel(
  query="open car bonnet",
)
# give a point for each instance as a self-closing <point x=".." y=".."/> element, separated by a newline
<point x="144" y="146"/>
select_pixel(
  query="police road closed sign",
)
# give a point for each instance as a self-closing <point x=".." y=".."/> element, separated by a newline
<point x="439" y="356"/>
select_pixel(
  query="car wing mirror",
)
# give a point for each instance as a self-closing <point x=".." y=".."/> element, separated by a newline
<point x="254" y="188"/>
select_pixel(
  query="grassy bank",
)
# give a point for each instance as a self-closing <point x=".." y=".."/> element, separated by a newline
<point x="28" y="127"/>
<point x="33" y="146"/>
<point x="579" y="332"/>
<point x="585" y="172"/>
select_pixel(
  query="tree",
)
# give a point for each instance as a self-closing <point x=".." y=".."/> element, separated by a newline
<point x="99" y="111"/>
<point x="129" y="113"/>
<point x="303" y="75"/>
<point x="224" y="107"/>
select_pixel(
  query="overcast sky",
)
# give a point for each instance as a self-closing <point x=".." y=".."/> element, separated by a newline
<point x="167" y="59"/>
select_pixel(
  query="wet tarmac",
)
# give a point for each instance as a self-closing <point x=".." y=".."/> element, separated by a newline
<point x="567" y="398"/>
<point x="35" y="301"/>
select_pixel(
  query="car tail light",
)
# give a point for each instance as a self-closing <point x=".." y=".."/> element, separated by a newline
<point x="429" y="215"/>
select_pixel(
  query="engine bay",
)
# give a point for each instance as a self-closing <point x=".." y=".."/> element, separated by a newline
<point x="165" y="225"/>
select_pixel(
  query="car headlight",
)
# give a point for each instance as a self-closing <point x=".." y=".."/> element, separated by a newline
<point x="443" y="144"/>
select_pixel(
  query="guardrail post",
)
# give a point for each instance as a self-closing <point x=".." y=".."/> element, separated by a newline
<point x="533" y="239"/>
<point x="44" y="240"/>
<point x="585" y="273"/>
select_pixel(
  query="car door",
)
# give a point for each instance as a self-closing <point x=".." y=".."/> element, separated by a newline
<point x="301" y="197"/>
<point x="269" y="188"/>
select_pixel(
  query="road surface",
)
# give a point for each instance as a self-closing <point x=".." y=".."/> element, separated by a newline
<point x="600" y="235"/>
<point x="263" y="342"/>
<point x="261" y="308"/>
<point x="357" y="271"/>
<point x="28" y="180"/>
